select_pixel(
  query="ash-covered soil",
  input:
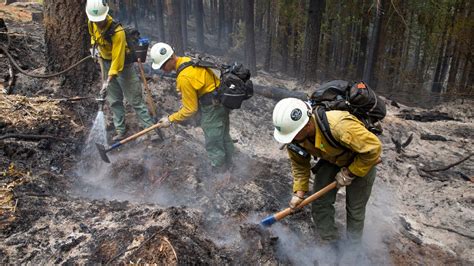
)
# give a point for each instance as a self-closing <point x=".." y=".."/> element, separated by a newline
<point x="158" y="202"/>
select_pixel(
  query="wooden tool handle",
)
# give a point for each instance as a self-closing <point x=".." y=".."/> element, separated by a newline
<point x="102" y="69"/>
<point x="308" y="200"/>
<point x="143" y="132"/>
<point x="149" y="99"/>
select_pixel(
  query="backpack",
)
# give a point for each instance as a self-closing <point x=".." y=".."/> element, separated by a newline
<point x="355" y="97"/>
<point x="235" y="86"/>
<point x="137" y="46"/>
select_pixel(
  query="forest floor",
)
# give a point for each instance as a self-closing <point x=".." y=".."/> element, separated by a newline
<point x="157" y="202"/>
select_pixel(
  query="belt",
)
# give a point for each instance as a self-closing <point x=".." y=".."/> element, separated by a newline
<point x="127" y="61"/>
<point x="208" y="99"/>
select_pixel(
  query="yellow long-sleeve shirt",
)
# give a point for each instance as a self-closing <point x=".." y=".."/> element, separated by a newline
<point x="114" y="51"/>
<point x="364" y="149"/>
<point x="192" y="82"/>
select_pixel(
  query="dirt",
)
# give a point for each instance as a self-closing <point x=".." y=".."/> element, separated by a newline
<point x="158" y="202"/>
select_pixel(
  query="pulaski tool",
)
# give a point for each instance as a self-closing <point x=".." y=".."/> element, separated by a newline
<point x="103" y="151"/>
<point x="268" y="221"/>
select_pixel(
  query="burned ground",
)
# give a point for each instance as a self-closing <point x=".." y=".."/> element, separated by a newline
<point x="158" y="202"/>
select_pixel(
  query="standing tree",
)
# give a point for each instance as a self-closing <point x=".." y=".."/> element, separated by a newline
<point x="229" y="22"/>
<point x="311" y="42"/>
<point x="375" y="49"/>
<point x="213" y="16"/>
<point x="184" y="24"/>
<point x="221" y="24"/>
<point x="174" y="26"/>
<point x="68" y="41"/>
<point x="363" y="40"/>
<point x="250" y="59"/>
<point x="199" y="16"/>
<point x="160" y="22"/>
<point x="269" y="36"/>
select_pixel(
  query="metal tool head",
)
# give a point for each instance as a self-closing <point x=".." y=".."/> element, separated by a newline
<point x="102" y="152"/>
<point x="101" y="103"/>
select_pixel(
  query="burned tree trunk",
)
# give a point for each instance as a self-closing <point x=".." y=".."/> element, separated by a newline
<point x="284" y="45"/>
<point x="68" y="41"/>
<point x="160" y="22"/>
<point x="174" y="26"/>
<point x="250" y="59"/>
<point x="213" y="16"/>
<point x="229" y="23"/>
<point x="311" y="43"/>
<point x="269" y="38"/>
<point x="375" y="40"/>
<point x="221" y="23"/>
<point x="363" y="40"/>
<point x="199" y="16"/>
<point x="184" y="24"/>
<point x="437" y="86"/>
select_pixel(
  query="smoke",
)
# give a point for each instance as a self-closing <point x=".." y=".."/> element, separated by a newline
<point x="176" y="172"/>
<point x="380" y="222"/>
<point x="301" y="245"/>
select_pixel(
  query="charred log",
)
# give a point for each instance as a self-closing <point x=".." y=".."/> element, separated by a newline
<point x="425" y="116"/>
<point x="30" y="137"/>
<point x="278" y="93"/>
<point x="394" y="103"/>
<point x="465" y="177"/>
<point x="433" y="137"/>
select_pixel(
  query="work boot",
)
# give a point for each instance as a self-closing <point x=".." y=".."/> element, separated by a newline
<point x="229" y="165"/>
<point x="119" y="136"/>
<point x="219" y="169"/>
<point x="332" y="251"/>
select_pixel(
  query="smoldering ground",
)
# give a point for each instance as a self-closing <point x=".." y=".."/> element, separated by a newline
<point x="175" y="172"/>
<point x="165" y="189"/>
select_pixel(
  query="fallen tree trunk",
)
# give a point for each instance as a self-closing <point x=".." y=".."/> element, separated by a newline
<point x="433" y="137"/>
<point x="269" y="92"/>
<point x="424" y="116"/>
<point x="72" y="99"/>
<point x="30" y="137"/>
<point x="278" y="93"/>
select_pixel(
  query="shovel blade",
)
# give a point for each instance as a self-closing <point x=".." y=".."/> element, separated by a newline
<point x="102" y="152"/>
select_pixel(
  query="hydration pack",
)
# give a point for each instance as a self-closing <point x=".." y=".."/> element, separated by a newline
<point x="137" y="47"/>
<point x="235" y="86"/>
<point x="354" y="97"/>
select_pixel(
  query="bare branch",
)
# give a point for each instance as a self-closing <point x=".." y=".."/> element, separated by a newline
<point x="447" y="167"/>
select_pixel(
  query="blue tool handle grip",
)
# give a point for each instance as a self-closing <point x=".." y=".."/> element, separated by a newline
<point x="115" y="145"/>
<point x="268" y="221"/>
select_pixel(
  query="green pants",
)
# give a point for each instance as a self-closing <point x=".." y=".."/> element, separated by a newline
<point x="357" y="195"/>
<point x="126" y="84"/>
<point x="215" y="124"/>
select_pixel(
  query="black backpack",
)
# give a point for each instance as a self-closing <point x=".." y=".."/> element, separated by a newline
<point x="355" y="97"/>
<point x="235" y="86"/>
<point x="137" y="48"/>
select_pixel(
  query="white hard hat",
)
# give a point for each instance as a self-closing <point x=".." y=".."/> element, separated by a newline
<point x="290" y="115"/>
<point x="160" y="53"/>
<point x="97" y="10"/>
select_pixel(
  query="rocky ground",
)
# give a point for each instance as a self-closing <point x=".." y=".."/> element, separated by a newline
<point x="157" y="202"/>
